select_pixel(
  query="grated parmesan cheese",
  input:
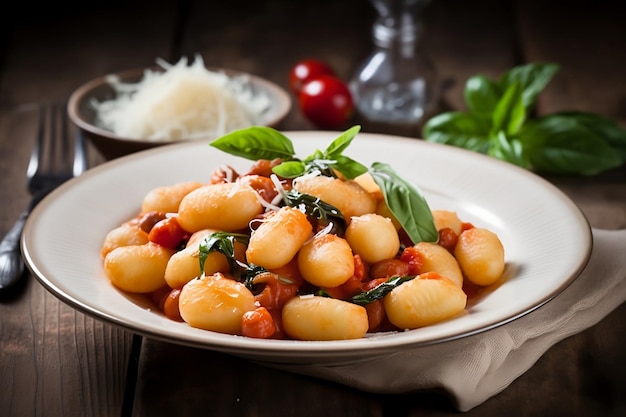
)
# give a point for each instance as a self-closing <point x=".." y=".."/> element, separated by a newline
<point x="183" y="102"/>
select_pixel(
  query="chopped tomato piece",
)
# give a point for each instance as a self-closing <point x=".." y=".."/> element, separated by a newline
<point x="168" y="233"/>
<point x="258" y="323"/>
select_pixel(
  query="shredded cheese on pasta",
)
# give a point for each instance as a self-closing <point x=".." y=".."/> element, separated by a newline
<point x="183" y="102"/>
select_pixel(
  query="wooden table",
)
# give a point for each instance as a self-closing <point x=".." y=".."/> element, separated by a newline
<point x="55" y="361"/>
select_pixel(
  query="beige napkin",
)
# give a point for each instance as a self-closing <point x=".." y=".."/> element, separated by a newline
<point x="475" y="368"/>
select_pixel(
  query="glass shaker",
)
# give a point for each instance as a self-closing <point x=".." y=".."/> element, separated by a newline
<point x="394" y="85"/>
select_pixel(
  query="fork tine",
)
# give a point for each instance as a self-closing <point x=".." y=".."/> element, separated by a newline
<point x="65" y="147"/>
<point x="80" y="153"/>
<point x="62" y="129"/>
<point x="36" y="154"/>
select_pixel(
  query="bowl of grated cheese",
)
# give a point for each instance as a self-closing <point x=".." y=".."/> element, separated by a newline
<point x="138" y="109"/>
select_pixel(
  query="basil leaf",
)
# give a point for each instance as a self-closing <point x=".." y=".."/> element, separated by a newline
<point x="348" y="167"/>
<point x="509" y="149"/>
<point x="407" y="204"/>
<point x="603" y="127"/>
<point x="458" y="129"/>
<point x="249" y="274"/>
<point x="380" y="291"/>
<point x="319" y="212"/>
<point x="290" y="169"/>
<point x="532" y="78"/>
<point x="338" y="145"/>
<point x="224" y="243"/>
<point x="257" y="142"/>
<point x="560" y="144"/>
<point x="509" y="114"/>
<point x="481" y="95"/>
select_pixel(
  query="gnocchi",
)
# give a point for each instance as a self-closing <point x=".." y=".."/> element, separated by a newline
<point x="168" y="197"/>
<point x="215" y="303"/>
<point x="137" y="268"/>
<point x="223" y="206"/>
<point x="326" y="261"/>
<point x="242" y="255"/>
<point x="373" y="237"/>
<point x="427" y="299"/>
<point x="182" y="266"/>
<point x="480" y="255"/>
<point x="348" y="196"/>
<point x="278" y="238"/>
<point x="321" y="318"/>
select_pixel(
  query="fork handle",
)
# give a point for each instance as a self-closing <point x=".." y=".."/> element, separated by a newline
<point x="11" y="263"/>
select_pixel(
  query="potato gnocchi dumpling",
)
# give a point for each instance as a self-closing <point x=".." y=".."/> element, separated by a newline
<point x="425" y="300"/>
<point x="137" y="268"/>
<point x="215" y="303"/>
<point x="223" y="206"/>
<point x="326" y="261"/>
<point x="315" y="257"/>
<point x="167" y="198"/>
<point x="279" y="238"/>
<point x="480" y="255"/>
<point x="321" y="318"/>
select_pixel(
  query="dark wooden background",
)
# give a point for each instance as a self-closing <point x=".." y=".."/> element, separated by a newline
<point x="55" y="361"/>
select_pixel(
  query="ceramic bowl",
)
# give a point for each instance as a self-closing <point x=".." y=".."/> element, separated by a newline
<point x="83" y="113"/>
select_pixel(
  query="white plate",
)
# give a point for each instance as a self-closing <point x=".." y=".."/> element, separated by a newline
<point x="547" y="240"/>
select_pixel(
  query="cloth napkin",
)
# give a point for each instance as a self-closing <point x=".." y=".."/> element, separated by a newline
<point x="475" y="368"/>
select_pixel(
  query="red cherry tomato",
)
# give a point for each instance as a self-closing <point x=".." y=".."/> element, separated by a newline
<point x="305" y="71"/>
<point x="326" y="101"/>
<point x="167" y="233"/>
<point x="170" y="305"/>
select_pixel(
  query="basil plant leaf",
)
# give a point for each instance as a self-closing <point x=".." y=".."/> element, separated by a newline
<point x="458" y="129"/>
<point x="319" y="212"/>
<point x="560" y="144"/>
<point x="340" y="144"/>
<point x="257" y="142"/>
<point x="222" y="242"/>
<point x="482" y="95"/>
<point x="510" y="114"/>
<point x="603" y="127"/>
<point x="380" y="291"/>
<point x="348" y="167"/>
<point x="290" y="169"/>
<point x="407" y="204"/>
<point x="509" y="149"/>
<point x="533" y="78"/>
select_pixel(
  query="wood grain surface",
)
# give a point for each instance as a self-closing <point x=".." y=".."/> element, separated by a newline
<point x="55" y="361"/>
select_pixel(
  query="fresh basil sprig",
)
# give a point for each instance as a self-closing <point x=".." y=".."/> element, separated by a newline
<point x="327" y="161"/>
<point x="404" y="200"/>
<point x="261" y="142"/>
<point x="499" y="123"/>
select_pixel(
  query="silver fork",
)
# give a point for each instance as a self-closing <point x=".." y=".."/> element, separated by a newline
<point x="56" y="157"/>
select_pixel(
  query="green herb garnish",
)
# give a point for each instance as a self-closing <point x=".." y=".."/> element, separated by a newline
<point x="256" y="143"/>
<point x="380" y="291"/>
<point x="319" y="212"/>
<point x="404" y="200"/>
<point x="499" y="123"/>
<point x="224" y="243"/>
<point x="406" y="203"/>
<point x="377" y="293"/>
